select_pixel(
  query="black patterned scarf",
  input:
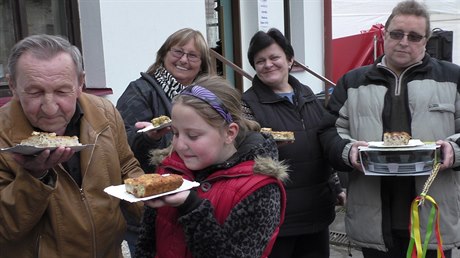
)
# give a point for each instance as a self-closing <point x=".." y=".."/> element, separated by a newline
<point x="167" y="82"/>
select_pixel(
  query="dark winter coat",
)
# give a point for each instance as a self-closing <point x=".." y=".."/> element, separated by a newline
<point x="143" y="100"/>
<point x="361" y="107"/>
<point x="311" y="202"/>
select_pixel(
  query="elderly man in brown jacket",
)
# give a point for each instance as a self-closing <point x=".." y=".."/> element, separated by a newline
<point x="52" y="203"/>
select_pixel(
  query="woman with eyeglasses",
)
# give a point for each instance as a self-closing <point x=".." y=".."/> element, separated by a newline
<point x="405" y="90"/>
<point x="182" y="58"/>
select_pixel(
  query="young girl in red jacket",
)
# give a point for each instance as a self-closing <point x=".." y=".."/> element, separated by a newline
<point x="239" y="206"/>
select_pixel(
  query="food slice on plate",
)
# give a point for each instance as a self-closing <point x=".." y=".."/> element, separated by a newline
<point x="396" y="138"/>
<point x="40" y="141"/>
<point x="279" y="135"/>
<point x="161" y="120"/>
<point x="49" y="140"/>
<point x="152" y="184"/>
<point x="157" y="123"/>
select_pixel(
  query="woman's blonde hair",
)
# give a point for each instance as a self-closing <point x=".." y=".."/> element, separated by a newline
<point x="182" y="37"/>
<point x="228" y="97"/>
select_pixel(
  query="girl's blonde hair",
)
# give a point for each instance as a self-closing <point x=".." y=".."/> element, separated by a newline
<point x="229" y="98"/>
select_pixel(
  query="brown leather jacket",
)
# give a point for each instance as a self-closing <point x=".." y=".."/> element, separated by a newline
<point x="64" y="220"/>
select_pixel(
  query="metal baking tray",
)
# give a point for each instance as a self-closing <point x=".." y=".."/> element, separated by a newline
<point x="399" y="161"/>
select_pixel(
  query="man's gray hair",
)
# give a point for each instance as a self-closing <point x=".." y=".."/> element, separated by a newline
<point x="43" y="47"/>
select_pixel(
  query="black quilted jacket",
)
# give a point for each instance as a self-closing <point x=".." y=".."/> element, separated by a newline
<point x="310" y="205"/>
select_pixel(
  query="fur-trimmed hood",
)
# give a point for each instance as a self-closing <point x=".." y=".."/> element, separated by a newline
<point x="258" y="147"/>
<point x="270" y="167"/>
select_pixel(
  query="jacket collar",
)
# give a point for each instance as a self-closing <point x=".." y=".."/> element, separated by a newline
<point x="266" y="95"/>
<point x="87" y="103"/>
<point x="18" y="120"/>
<point x="380" y="71"/>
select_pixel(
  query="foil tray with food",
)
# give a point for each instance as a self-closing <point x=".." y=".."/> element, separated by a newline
<point x="414" y="159"/>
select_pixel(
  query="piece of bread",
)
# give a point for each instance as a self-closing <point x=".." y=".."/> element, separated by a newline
<point x="41" y="139"/>
<point x="152" y="184"/>
<point x="266" y="130"/>
<point x="396" y="138"/>
<point x="279" y="135"/>
<point x="283" y="135"/>
<point x="157" y="121"/>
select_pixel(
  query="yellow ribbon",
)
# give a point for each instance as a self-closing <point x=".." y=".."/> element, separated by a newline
<point x="416" y="249"/>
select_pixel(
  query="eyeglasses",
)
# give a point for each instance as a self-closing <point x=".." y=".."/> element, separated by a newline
<point x="177" y="53"/>
<point x="411" y="36"/>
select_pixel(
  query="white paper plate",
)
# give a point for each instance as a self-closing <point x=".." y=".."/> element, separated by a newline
<point x="151" y="127"/>
<point x="119" y="191"/>
<point x="31" y="150"/>
<point x="412" y="143"/>
<point x="284" y="140"/>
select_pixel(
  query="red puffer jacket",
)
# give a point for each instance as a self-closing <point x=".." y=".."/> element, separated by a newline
<point x="224" y="189"/>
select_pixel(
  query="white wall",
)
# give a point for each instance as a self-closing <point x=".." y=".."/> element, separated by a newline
<point x="120" y="37"/>
<point x="92" y="50"/>
<point x="131" y="31"/>
<point x="250" y="25"/>
<point x="306" y="35"/>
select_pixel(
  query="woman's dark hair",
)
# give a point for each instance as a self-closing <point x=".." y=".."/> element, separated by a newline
<point x="262" y="39"/>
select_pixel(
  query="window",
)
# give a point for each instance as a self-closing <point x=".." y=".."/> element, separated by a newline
<point x="21" y="18"/>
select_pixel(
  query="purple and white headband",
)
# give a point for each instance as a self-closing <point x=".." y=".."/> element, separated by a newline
<point x="210" y="98"/>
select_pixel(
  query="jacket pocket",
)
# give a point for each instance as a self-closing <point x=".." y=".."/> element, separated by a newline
<point x="441" y="107"/>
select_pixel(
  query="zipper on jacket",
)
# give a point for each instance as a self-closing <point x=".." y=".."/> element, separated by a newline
<point x="397" y="90"/>
<point x="88" y="210"/>
<point x="39" y="238"/>
<point x="398" y="79"/>
<point x="303" y="124"/>
<point x="83" y="198"/>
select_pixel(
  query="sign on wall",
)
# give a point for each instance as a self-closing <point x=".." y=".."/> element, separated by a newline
<point x="263" y="15"/>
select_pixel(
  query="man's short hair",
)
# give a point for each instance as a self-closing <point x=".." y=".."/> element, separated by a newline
<point x="411" y="7"/>
<point x="43" y="47"/>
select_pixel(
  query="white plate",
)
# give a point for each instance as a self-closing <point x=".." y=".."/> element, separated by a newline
<point x="284" y="140"/>
<point x="119" y="191"/>
<point x="31" y="150"/>
<point x="151" y="127"/>
<point x="412" y="143"/>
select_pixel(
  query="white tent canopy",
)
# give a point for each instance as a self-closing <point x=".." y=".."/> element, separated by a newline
<point x="350" y="17"/>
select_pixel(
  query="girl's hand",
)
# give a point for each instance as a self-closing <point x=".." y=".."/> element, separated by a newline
<point x="172" y="200"/>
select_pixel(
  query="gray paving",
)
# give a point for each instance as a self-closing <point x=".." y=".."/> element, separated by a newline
<point x="341" y="250"/>
<point x="339" y="244"/>
<point x="340" y="247"/>
<point x="344" y="252"/>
